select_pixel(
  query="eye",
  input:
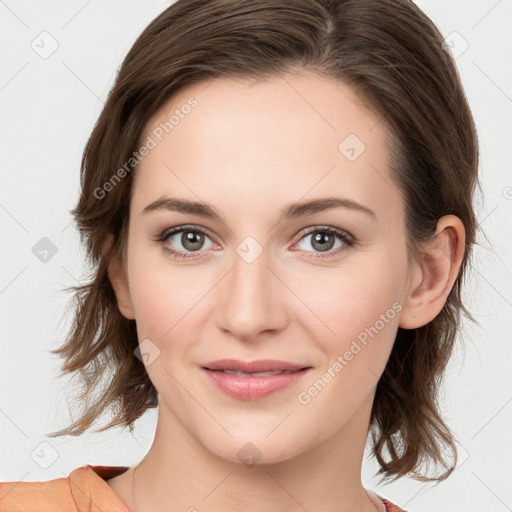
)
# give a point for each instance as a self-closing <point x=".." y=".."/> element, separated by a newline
<point x="323" y="239"/>
<point x="191" y="238"/>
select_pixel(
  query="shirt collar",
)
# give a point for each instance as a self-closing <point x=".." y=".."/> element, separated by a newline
<point x="90" y="491"/>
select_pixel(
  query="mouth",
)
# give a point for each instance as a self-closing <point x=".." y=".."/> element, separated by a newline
<point x="253" y="380"/>
<point x="252" y="367"/>
<point x="255" y="374"/>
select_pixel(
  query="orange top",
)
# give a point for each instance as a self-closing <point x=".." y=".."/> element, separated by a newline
<point x="84" y="490"/>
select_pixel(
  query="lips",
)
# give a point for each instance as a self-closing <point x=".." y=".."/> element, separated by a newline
<point x="253" y="380"/>
<point x="261" y="365"/>
<point x="254" y="374"/>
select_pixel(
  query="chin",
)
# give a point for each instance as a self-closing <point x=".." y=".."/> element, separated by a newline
<point x="251" y="450"/>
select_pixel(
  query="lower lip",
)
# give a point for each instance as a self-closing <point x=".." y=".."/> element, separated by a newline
<point x="253" y="388"/>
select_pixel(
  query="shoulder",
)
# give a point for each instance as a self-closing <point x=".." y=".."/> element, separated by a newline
<point x="74" y="493"/>
<point x="42" y="496"/>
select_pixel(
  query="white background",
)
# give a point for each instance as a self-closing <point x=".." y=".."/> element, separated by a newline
<point x="48" y="109"/>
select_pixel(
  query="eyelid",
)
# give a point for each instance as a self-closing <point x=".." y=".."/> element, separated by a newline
<point x="330" y="229"/>
<point x="303" y="232"/>
<point x="184" y="227"/>
<point x="347" y="238"/>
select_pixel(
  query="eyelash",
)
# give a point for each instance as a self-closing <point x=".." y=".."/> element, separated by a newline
<point x="346" y="238"/>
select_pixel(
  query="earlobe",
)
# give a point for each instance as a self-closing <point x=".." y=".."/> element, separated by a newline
<point x="435" y="275"/>
<point x="119" y="281"/>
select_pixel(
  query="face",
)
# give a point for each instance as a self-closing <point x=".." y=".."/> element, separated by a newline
<point x="321" y="288"/>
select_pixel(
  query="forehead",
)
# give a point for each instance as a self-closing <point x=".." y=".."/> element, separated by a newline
<point x="278" y="139"/>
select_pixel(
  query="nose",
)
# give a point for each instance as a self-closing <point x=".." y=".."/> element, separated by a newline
<point x="251" y="299"/>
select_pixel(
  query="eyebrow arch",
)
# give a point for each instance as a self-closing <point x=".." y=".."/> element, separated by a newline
<point x="290" y="211"/>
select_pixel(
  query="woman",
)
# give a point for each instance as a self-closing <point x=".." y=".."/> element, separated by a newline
<point x="277" y="199"/>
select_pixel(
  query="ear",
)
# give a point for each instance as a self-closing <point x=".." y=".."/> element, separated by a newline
<point x="119" y="281"/>
<point x="433" y="277"/>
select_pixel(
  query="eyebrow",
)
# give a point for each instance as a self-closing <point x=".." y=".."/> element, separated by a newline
<point x="290" y="211"/>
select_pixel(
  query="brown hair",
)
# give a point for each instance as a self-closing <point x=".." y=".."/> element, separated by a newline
<point x="393" y="57"/>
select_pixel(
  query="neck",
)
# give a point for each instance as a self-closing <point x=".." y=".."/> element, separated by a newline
<point x="179" y="473"/>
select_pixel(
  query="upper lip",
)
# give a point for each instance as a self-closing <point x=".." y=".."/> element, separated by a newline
<point x="261" y="365"/>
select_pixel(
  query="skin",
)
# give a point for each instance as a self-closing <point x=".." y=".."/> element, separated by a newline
<point x="249" y="148"/>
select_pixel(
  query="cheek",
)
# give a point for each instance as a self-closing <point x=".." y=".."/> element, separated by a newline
<point x="355" y="301"/>
<point x="166" y="297"/>
<point x="355" y="323"/>
<point x="359" y="321"/>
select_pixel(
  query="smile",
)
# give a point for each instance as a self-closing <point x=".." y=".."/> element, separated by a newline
<point x="253" y="385"/>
